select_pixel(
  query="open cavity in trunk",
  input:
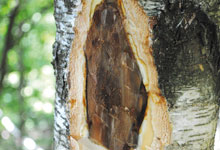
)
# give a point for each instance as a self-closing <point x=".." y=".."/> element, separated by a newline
<point x="116" y="96"/>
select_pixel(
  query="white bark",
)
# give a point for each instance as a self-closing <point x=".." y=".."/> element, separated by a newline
<point x="65" y="13"/>
<point x="194" y="121"/>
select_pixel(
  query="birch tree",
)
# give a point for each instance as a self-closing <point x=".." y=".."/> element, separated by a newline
<point x="185" y="49"/>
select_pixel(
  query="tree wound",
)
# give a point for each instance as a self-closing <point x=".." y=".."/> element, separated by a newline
<point x="115" y="94"/>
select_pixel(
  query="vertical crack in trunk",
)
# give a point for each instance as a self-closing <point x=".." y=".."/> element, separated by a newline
<point x="114" y="97"/>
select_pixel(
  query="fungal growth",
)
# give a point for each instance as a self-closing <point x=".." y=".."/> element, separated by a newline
<point x="114" y="99"/>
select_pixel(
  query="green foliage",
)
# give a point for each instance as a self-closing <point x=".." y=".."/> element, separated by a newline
<point x="28" y="87"/>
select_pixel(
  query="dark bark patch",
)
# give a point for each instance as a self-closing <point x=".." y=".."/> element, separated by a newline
<point x="186" y="50"/>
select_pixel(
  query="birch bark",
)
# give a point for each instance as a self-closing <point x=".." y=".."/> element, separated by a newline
<point x="65" y="12"/>
<point x="186" y="51"/>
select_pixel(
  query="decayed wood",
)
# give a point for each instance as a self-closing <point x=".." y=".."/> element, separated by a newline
<point x="116" y="96"/>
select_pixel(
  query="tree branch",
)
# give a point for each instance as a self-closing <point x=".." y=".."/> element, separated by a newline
<point x="8" y="44"/>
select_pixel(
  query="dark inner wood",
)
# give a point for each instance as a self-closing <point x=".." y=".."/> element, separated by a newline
<point x="116" y="96"/>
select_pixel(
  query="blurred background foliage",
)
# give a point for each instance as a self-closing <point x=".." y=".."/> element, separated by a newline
<point x="27" y="32"/>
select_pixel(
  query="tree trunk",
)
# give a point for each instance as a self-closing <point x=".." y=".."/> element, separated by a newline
<point x="187" y="43"/>
<point x="186" y="53"/>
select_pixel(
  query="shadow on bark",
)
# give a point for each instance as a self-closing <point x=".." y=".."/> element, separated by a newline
<point x="186" y="52"/>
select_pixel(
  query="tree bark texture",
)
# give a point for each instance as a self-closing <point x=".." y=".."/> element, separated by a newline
<point x="65" y="13"/>
<point x="187" y="57"/>
<point x="186" y="53"/>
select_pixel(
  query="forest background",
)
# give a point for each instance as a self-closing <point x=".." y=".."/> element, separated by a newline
<point x="27" y="33"/>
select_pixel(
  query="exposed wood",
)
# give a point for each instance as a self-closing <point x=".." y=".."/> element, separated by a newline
<point x="185" y="51"/>
<point x="116" y="96"/>
<point x="137" y="31"/>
